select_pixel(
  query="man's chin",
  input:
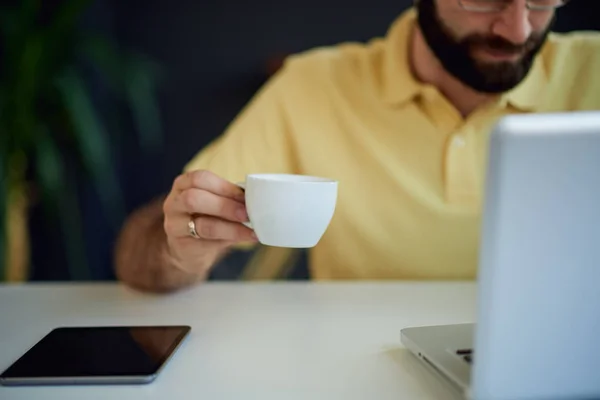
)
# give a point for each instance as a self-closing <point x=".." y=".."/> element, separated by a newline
<point x="491" y="77"/>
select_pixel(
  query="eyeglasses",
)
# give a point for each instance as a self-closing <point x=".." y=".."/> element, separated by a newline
<point x="500" y="5"/>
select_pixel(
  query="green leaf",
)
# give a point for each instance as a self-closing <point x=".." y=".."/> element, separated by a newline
<point x="44" y="104"/>
<point x="106" y="58"/>
<point x="26" y="90"/>
<point x="25" y="16"/>
<point x="93" y="143"/>
<point x="141" y="92"/>
<point x="17" y="24"/>
<point x="61" y="202"/>
<point x="66" y="19"/>
<point x="135" y="78"/>
<point x="9" y="25"/>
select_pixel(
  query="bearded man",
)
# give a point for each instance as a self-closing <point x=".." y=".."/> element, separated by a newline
<point x="402" y="122"/>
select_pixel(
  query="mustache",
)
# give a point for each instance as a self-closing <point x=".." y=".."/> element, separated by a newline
<point x="500" y="44"/>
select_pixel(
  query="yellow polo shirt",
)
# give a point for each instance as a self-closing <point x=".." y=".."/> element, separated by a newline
<point x="410" y="168"/>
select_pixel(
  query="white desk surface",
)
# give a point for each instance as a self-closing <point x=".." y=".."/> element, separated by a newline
<point x="251" y="340"/>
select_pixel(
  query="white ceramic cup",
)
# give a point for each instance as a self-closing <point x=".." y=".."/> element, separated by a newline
<point x="289" y="210"/>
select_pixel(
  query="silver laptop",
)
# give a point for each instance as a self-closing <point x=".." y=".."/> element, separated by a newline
<point x="537" y="334"/>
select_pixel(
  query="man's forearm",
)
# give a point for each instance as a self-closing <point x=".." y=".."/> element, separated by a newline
<point x="141" y="256"/>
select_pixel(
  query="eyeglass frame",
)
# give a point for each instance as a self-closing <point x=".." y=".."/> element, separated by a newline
<point x="527" y="4"/>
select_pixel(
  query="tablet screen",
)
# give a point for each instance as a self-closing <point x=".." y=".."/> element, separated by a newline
<point x="99" y="351"/>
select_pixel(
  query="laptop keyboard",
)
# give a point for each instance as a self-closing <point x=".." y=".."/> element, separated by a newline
<point x="466" y="354"/>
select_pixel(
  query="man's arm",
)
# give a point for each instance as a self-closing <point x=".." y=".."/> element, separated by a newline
<point x="155" y="251"/>
<point x="142" y="258"/>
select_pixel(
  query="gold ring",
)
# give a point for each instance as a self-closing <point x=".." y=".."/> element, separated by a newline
<point x="192" y="229"/>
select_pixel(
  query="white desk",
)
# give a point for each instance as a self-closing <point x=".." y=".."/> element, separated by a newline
<point x="252" y="341"/>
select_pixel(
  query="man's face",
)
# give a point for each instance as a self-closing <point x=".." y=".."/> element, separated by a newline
<point x="489" y="52"/>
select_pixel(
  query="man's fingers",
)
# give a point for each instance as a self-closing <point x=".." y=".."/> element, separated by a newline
<point x="217" y="203"/>
<point x="196" y="201"/>
<point x="210" y="228"/>
<point x="210" y="182"/>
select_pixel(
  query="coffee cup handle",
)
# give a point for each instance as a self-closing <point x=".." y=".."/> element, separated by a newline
<point x="242" y="185"/>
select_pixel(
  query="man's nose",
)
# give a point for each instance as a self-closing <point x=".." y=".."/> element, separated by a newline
<point x="513" y="23"/>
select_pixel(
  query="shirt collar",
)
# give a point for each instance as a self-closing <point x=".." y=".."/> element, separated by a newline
<point x="399" y="83"/>
<point x="527" y="96"/>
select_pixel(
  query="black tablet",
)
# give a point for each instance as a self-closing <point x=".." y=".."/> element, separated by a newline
<point x="97" y="355"/>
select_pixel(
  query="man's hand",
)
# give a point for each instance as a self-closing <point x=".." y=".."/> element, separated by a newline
<point x="155" y="251"/>
<point x="217" y="209"/>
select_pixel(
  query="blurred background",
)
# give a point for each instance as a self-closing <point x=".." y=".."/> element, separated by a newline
<point x="103" y="102"/>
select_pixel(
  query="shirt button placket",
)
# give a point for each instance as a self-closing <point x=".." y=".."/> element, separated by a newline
<point x="459" y="173"/>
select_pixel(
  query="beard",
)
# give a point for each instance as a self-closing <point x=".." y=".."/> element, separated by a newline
<point x="455" y="54"/>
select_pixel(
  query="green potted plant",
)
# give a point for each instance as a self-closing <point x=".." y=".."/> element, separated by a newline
<point x="47" y="111"/>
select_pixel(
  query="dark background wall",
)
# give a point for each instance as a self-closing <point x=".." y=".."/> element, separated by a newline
<point x="214" y="55"/>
